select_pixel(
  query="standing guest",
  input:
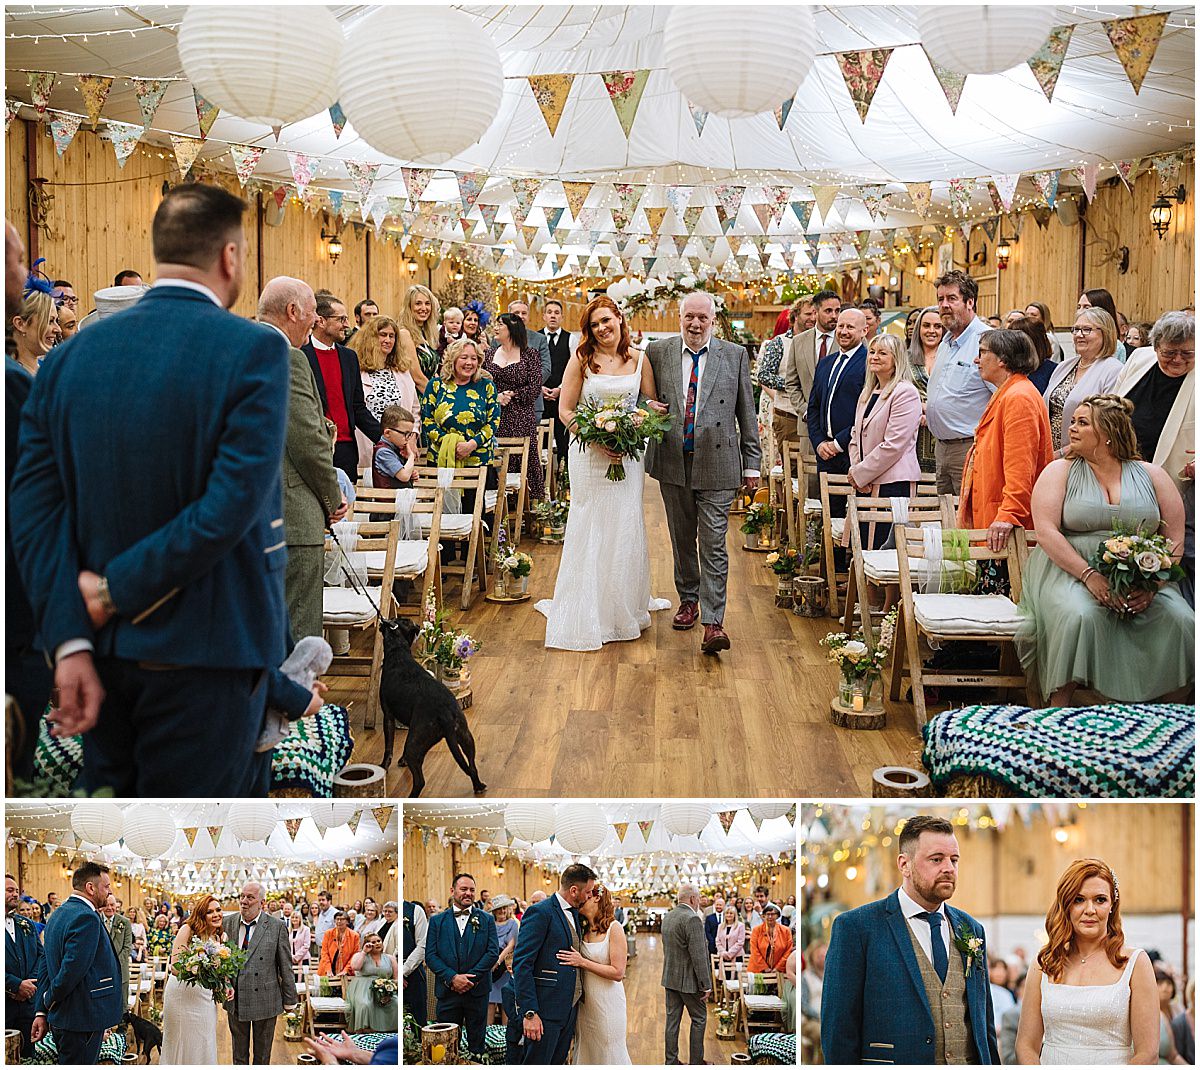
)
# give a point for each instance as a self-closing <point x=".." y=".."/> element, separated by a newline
<point x="312" y="499"/>
<point x="128" y="277"/>
<point x="172" y="543"/>
<point x="1183" y="1025"/>
<point x="389" y="931"/>
<point x="121" y="934"/>
<point x="773" y="370"/>
<point x="416" y="929"/>
<point x="1043" y="350"/>
<point x="369" y="921"/>
<point x="870" y="310"/>
<point x="64" y="295"/>
<point x="1101" y="298"/>
<point x="417" y="331"/>
<point x="68" y="324"/>
<point x="729" y="941"/>
<point x="364" y="311"/>
<point x="1040" y="312"/>
<point x="451" y="329"/>
<point x="300" y="937"/>
<point x="805" y="352"/>
<point x="922" y="353"/>
<point x="957" y="394"/>
<point x="515" y="369"/>
<point x="712" y="922"/>
<point x="995" y="322"/>
<point x="475" y="321"/>
<point x="326" y="912"/>
<point x="837" y="383"/>
<point x="338" y="946"/>
<point x="537" y="341"/>
<point x="22" y="967"/>
<point x="770" y="943"/>
<point x="1167" y="1052"/>
<point x="812" y="979"/>
<point x="1010" y="1022"/>
<point x="387" y="378"/>
<point x="507" y="928"/>
<point x="136" y="925"/>
<point x="34" y="329"/>
<point x="806" y="318"/>
<point x="367" y="1016"/>
<point x="561" y="345"/>
<point x="460" y="408"/>
<point x="787" y="992"/>
<point x="1093" y="370"/>
<point x="686" y="975"/>
<point x="1002" y="999"/>
<point x="158" y="938"/>
<point x="51" y="904"/>
<point x="339" y="382"/>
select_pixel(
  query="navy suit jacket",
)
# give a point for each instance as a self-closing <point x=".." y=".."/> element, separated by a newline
<point x="476" y="951"/>
<point x="541" y="983"/>
<point x="844" y="401"/>
<point x="80" y="984"/>
<point x="151" y="452"/>
<point x="352" y="390"/>
<point x="873" y="1002"/>
<point x="22" y="960"/>
<point x="711" y="923"/>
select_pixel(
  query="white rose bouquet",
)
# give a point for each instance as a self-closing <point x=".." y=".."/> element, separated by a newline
<point x="620" y="428"/>
<point x="853" y="657"/>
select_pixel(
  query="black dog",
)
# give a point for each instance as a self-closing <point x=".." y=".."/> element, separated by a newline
<point x="411" y="697"/>
<point x="146" y="1034"/>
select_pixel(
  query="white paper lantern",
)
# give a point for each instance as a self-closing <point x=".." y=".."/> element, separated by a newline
<point x="329" y="815"/>
<point x="97" y="822"/>
<point x="739" y="61"/>
<point x="420" y="83"/>
<point x="252" y="822"/>
<point x="532" y="821"/>
<point x="580" y="828"/>
<point x="767" y="810"/>
<point x="983" y="39"/>
<point x="685" y="818"/>
<point x="271" y="65"/>
<point x="149" y="830"/>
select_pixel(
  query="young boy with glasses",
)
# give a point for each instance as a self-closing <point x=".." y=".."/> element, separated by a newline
<point x="395" y="455"/>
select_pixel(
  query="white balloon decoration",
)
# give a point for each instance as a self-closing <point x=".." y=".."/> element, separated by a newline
<point x="265" y="64"/>
<point x="98" y="822"/>
<point x="252" y="822"/>
<point x="429" y="98"/>
<point x="984" y="39"/>
<point x="738" y="61"/>
<point x="149" y="830"/>
<point x="685" y="818"/>
<point x="768" y="810"/>
<point x="532" y="821"/>
<point x="581" y="828"/>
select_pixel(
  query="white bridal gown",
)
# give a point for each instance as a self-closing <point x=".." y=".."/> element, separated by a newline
<point x="189" y="1025"/>
<point x="602" y="593"/>
<point x="601" y="1025"/>
<point x="1087" y="1025"/>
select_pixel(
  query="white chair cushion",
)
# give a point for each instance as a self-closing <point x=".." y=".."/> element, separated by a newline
<point x="883" y="566"/>
<point x="837" y="525"/>
<point x="328" y="1004"/>
<point x="763" y="1003"/>
<point x="512" y="481"/>
<point x="412" y="558"/>
<point x="777" y="470"/>
<point x="966" y="614"/>
<point x="812" y="506"/>
<point x="342" y="606"/>
<point x="453" y="524"/>
<point x="732" y="984"/>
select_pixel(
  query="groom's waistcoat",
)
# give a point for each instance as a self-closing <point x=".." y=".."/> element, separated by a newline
<point x="948" y="1002"/>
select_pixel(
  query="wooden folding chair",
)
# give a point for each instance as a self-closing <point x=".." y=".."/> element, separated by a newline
<point x="416" y="559"/>
<point x="761" y="1011"/>
<point x="324" y="1011"/>
<point x="516" y="484"/>
<point x="459" y="527"/>
<point x="548" y="451"/>
<point x="798" y="507"/>
<point x="833" y="486"/>
<point x="943" y="618"/>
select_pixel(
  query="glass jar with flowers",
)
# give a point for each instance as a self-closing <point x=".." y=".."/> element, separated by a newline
<point x="784" y="564"/>
<point x="759" y="526"/>
<point x="445" y="648"/>
<point x="861" y="668"/>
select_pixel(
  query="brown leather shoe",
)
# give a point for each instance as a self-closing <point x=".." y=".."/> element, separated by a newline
<point x="689" y="613"/>
<point x="715" y="639"/>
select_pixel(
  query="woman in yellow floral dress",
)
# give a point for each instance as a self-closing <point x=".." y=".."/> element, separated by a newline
<point x="459" y="409"/>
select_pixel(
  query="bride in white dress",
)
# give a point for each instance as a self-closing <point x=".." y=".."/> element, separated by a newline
<point x="189" y="1021"/>
<point x="1090" y="1000"/>
<point x="601" y="1025"/>
<point x="602" y="593"/>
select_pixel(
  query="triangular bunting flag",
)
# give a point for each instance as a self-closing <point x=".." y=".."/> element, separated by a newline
<point x="824" y="196"/>
<point x="11" y="109"/>
<point x="352" y="824"/>
<point x="338" y="118"/>
<point x="415" y="181"/>
<point x="124" y="138"/>
<point x="382" y="815"/>
<point x="321" y="830"/>
<point x="186" y="151"/>
<point x="149" y="93"/>
<point x="952" y="82"/>
<point x="276" y="131"/>
<point x="654" y="216"/>
<point x="94" y="88"/>
<point x="63" y="128"/>
<point x="691" y="216"/>
<point x="872" y="198"/>
<point x="41" y="85"/>
<point x="620" y="219"/>
<point x="1046" y="63"/>
<point x="553" y="217"/>
<point x="763" y="213"/>
<point x="921" y="194"/>
<point x="1016" y="220"/>
<point x="803" y="211"/>
<point x="791" y="814"/>
<point x="699" y="117"/>
<point x="630" y="195"/>
<point x="783" y="111"/>
<point x="528" y="234"/>
<point x="729" y="197"/>
<point x="679" y="197"/>
<point x="470" y="186"/>
<point x="488" y="211"/>
<point x="189" y="834"/>
<point x="303" y="169"/>
<point x="1047" y="185"/>
<point x="621" y="828"/>
<point x="989" y="227"/>
<point x="726" y="818"/>
<point x="206" y="113"/>
<point x="1087" y="175"/>
<point x="362" y="174"/>
<point x="245" y="160"/>
<point x="1006" y="187"/>
<point x="1128" y="170"/>
<point x="525" y="190"/>
<point x="1041" y="215"/>
<point x="576" y="193"/>
<point x="214" y="834"/>
<point x="646" y="827"/>
<point x="336" y="196"/>
<point x="777" y="199"/>
<point x="960" y="195"/>
<point x="551" y="92"/>
<point x="625" y="89"/>
<point x="292" y="824"/>
<point x="726" y="220"/>
<point x="758" y="821"/>
<point x="863" y="72"/>
<point x="1167" y="168"/>
<point x="1135" y="40"/>
<point x="681" y="242"/>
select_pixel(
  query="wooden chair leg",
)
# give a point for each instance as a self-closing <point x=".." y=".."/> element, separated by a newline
<point x="914" y="668"/>
<point x="848" y="609"/>
<point x="896" y="665"/>
<point x="831" y="567"/>
<point x="468" y="582"/>
<point x="373" y="686"/>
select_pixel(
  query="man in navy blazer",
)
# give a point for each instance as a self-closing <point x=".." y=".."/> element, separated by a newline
<point x="22" y="966"/>
<point x="79" y="988"/>
<point x="876" y="998"/>
<point x="146" y="517"/>
<point x="461" y="948"/>
<point x="711" y="922"/>
<point x="546" y="991"/>
<point x="837" y="382"/>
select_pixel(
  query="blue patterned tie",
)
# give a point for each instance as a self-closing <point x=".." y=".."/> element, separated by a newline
<point x="941" y="963"/>
<point x="689" y="414"/>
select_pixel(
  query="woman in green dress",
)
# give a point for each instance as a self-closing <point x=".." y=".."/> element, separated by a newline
<point x="1076" y="631"/>
<point x="367" y="965"/>
<point x="459" y="410"/>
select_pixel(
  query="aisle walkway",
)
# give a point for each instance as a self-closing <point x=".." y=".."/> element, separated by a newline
<point x="655" y="717"/>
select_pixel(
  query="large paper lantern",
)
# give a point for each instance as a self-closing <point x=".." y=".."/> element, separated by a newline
<point x="420" y="83"/>
<point x="252" y="822"/>
<point x="149" y="830"/>
<point x="983" y="39"/>
<point x="738" y="61"/>
<point x="329" y="815"/>
<point x="532" y="821"/>
<point x="685" y="818"/>
<point x="94" y="821"/>
<point x="580" y="828"/>
<point x="271" y="65"/>
<point x="767" y="810"/>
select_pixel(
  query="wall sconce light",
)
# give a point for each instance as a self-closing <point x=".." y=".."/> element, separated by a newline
<point x="922" y="271"/>
<point x="458" y="274"/>
<point x="412" y="265"/>
<point x="333" y="245"/>
<point x="1160" y="210"/>
<point x="1003" y="252"/>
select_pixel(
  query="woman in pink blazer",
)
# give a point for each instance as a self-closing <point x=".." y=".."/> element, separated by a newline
<point x="731" y="936"/>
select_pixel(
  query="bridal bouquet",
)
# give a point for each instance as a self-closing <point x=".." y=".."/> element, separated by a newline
<point x="383" y="991"/>
<point x="1135" y="561"/>
<point x="209" y="964"/>
<point x="620" y="427"/>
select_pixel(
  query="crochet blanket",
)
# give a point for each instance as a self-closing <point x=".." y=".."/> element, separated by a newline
<point x="1115" y="751"/>
<point x="772" y="1048"/>
<point x="315" y="751"/>
<point x="112" y="1049"/>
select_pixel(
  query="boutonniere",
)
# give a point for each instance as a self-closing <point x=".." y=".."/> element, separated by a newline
<point x="971" y="946"/>
<point x="23" y="923"/>
<point x="475" y="922"/>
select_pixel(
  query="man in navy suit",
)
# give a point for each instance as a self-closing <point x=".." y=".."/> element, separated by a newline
<point x="461" y="948"/>
<point x="146" y="517"/>
<point x="903" y="983"/>
<point x="339" y="382"/>
<point x="546" y="991"/>
<point x="79" y="989"/>
<point x="711" y="922"/>
<point x="22" y="966"/>
<point x="836" y="385"/>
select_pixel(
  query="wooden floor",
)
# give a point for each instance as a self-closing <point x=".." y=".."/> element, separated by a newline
<point x="283" y="1052"/>
<point x="654" y="717"/>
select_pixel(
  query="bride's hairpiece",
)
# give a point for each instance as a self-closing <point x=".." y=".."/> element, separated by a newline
<point x="1116" y="887"/>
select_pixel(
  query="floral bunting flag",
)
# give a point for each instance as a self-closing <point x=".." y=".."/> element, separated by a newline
<point x="691" y="216"/>
<point x="589" y="218"/>
<point x="186" y="151"/>
<point x="654" y="216"/>
<point x="1047" y="185"/>
<point x="415" y="181"/>
<point x="1135" y="40"/>
<point x="625" y="89"/>
<point x="863" y="71"/>
<point x="823" y="197"/>
<point x="994" y="194"/>
<point x="280" y="194"/>
<point x="1087" y="175"/>
<point x="576" y="193"/>
<point x="276" y="131"/>
<point x="206" y="113"/>
<point x="645" y="827"/>
<point x="872" y="198"/>
<point x="553" y="217"/>
<point x="783" y="111"/>
<point x="190" y="835"/>
<point x="726" y="818"/>
<point x="763" y="214"/>
<point x="1046" y="63"/>
<point x="149" y="93"/>
<point x="214" y="834"/>
<point x="679" y="197"/>
<point x="758" y="821"/>
<point x="41" y="85"/>
<point x="497" y="230"/>
<point x="63" y="128"/>
<point x="11" y="109"/>
<point x="529" y="234"/>
<point x="680" y="242"/>
<point x="630" y="195"/>
<point x="620" y="219"/>
<point x="726" y="220"/>
<point x="921" y="194"/>
<point x="952" y="82"/>
<point x="791" y="815"/>
<point x="352" y="824"/>
<point x="303" y="169"/>
<point x="699" y="117"/>
<point x="124" y="138"/>
<point x="803" y="211"/>
<point x="525" y="190"/>
<point x="648" y="263"/>
<point x="777" y="200"/>
<point x="470" y="186"/>
<point x="336" y="197"/>
<point x="862" y="242"/>
<point x="729" y="197"/>
<point x="960" y="195"/>
<point x="1168" y="168"/>
<point x="1128" y="170"/>
<point x="550" y="91"/>
<point x="292" y="824"/>
<point x="382" y="815"/>
<point x="338" y="118"/>
<point x="94" y="88"/>
<point x="1006" y="187"/>
<point x="245" y="160"/>
<point x="489" y="212"/>
<point x="362" y="174"/>
<point x="621" y="828"/>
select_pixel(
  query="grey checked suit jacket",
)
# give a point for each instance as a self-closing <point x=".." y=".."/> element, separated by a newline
<point x="799" y="366"/>
<point x="122" y="942"/>
<point x="726" y="422"/>
<point x="539" y="341"/>
<point x="266" y="983"/>
<point x="686" y="966"/>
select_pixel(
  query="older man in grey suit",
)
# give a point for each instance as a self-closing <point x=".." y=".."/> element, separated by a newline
<point x="121" y="933"/>
<point x="265" y="985"/>
<point x="686" y="973"/>
<point x="709" y="450"/>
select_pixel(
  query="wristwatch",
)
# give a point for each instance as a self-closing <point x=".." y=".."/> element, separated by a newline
<point x="103" y="595"/>
<point x="531" y="1014"/>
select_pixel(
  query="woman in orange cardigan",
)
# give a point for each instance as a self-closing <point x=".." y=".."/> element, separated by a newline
<point x="339" y="945"/>
<point x="770" y="943"/>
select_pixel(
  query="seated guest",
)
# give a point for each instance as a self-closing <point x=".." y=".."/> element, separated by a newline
<point x="1040" y="376"/>
<point x="138" y="954"/>
<point x="387" y="376"/>
<point x="366" y="1015"/>
<point x="1137" y="335"/>
<point x="1076" y="631"/>
<point x="300" y="937"/>
<point x="395" y="456"/>
<point x="770" y="943"/>
<point x="459" y="411"/>
<point x="338" y="947"/>
<point x="516" y="370"/>
<point x="1093" y="370"/>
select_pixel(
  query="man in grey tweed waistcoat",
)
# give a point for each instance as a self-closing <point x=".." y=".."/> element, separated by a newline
<point x="906" y="977"/>
<point x="266" y="986"/>
<point x="686" y="974"/>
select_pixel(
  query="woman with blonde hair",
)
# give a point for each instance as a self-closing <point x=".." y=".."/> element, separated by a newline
<point x="389" y="376"/>
<point x="459" y="409"/>
<point x="1093" y="370"/>
<point x="1090" y="999"/>
<point x="417" y="331"/>
<point x="34" y="329"/>
<point x="189" y="1021"/>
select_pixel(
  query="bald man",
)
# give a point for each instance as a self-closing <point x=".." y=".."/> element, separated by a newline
<point x="836" y="385"/>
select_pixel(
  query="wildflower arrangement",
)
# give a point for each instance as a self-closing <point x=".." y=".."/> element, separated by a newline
<point x="444" y="644"/>
<point x="383" y="991"/>
<point x="513" y="562"/>
<point x="620" y="427"/>
<point x="760" y="516"/>
<point x="210" y="964"/>
<point x="785" y="562"/>
<point x="1135" y="561"/>
<point x="852" y="656"/>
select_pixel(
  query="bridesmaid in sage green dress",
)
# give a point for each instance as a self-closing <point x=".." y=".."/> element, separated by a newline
<point x="366" y="1016"/>
<point x="1076" y="633"/>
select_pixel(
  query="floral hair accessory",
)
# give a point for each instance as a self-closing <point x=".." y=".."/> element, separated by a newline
<point x="477" y="306"/>
<point x="36" y="281"/>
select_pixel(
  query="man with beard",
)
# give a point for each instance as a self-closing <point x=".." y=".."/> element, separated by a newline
<point x="906" y="977"/>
